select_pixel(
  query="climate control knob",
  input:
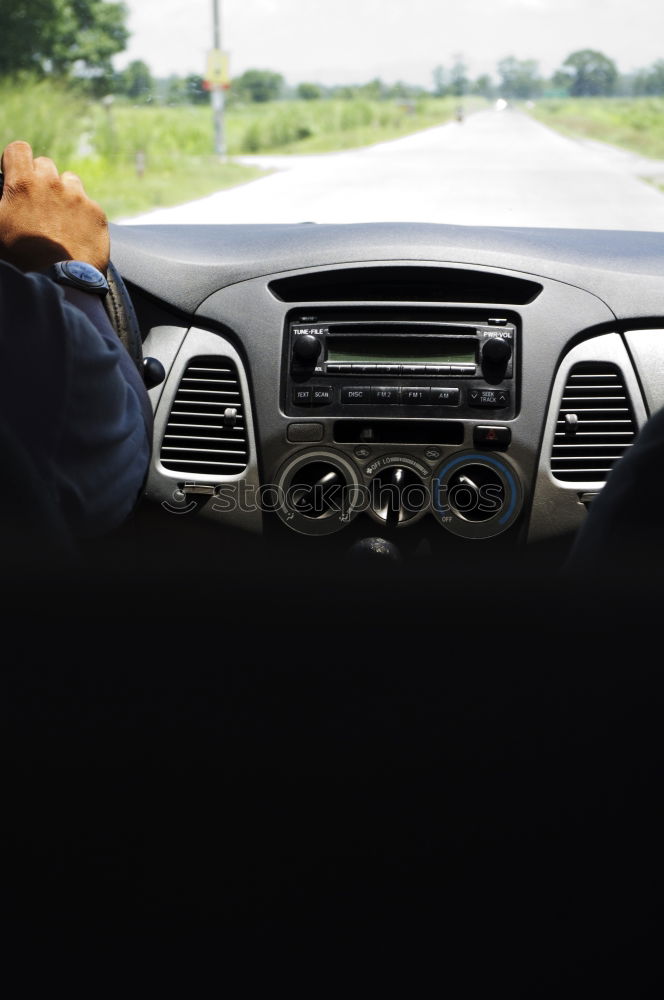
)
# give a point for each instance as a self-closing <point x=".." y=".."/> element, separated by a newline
<point x="306" y="349"/>
<point x="397" y="496"/>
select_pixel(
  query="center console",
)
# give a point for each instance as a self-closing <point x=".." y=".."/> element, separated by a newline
<point x="415" y="403"/>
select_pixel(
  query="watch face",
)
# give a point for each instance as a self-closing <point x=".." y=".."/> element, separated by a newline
<point x="84" y="272"/>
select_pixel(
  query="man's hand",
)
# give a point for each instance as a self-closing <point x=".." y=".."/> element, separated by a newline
<point x="46" y="216"/>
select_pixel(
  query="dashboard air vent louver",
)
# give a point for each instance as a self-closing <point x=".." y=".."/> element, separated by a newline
<point x="206" y="431"/>
<point x="595" y="425"/>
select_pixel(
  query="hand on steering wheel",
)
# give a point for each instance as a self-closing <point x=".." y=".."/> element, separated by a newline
<point x="46" y="217"/>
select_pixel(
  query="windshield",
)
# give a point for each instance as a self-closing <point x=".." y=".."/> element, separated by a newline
<point x="491" y="112"/>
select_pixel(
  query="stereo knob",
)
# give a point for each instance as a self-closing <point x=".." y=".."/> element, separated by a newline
<point x="495" y="355"/>
<point x="306" y="349"/>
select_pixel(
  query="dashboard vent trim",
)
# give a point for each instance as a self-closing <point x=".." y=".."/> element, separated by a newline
<point x="595" y="425"/>
<point x="401" y="283"/>
<point x="206" y="430"/>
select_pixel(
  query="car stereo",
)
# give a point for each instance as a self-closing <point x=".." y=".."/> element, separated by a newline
<point x="401" y="368"/>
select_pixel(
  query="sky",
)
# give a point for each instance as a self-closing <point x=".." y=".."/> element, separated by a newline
<point x="352" y="41"/>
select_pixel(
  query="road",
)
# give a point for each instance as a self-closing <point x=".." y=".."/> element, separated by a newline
<point x="498" y="168"/>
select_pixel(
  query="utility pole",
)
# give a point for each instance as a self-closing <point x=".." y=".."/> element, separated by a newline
<point x="217" y="91"/>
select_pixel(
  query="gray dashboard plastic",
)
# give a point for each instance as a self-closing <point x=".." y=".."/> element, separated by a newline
<point x="183" y="265"/>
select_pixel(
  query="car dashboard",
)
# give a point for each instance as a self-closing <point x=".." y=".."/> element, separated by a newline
<point x="464" y="389"/>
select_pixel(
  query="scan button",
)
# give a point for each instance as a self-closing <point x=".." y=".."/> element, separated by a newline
<point x="322" y="395"/>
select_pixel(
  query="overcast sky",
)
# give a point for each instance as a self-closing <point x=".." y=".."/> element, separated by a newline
<point x="345" y="41"/>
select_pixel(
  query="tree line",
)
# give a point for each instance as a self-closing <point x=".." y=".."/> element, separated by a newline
<point x="76" y="40"/>
<point x="584" y="73"/>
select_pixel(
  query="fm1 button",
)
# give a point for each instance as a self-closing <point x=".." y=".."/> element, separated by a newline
<point x="322" y="395"/>
<point x="492" y="437"/>
<point x="302" y="397"/>
<point x="413" y="396"/>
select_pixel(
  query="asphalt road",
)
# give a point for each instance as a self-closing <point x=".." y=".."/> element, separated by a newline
<point x="498" y="168"/>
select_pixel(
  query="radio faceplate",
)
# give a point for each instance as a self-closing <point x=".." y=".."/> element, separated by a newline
<point x="400" y="368"/>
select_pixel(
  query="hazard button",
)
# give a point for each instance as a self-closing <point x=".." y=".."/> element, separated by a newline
<point x="492" y="437"/>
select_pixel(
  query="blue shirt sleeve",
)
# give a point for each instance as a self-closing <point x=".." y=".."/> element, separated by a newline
<point x="74" y="398"/>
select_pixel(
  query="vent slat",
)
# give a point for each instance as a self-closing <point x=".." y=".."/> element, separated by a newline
<point x="209" y="392"/>
<point x="173" y="466"/>
<point x="208" y="387"/>
<point x="605" y="427"/>
<point x="204" y="402"/>
<point x="186" y="437"/>
<point x="181" y="450"/>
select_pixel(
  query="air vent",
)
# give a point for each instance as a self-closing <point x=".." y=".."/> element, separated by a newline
<point x="206" y="431"/>
<point x="595" y="425"/>
<point x="405" y="284"/>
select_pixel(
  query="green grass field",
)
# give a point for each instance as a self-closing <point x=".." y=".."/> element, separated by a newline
<point x="635" y="123"/>
<point x="107" y="145"/>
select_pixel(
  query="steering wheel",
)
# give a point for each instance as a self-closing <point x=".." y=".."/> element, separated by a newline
<point x="122" y="315"/>
<point x="121" y="312"/>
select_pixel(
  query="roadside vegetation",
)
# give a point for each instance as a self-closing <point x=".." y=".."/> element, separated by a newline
<point x="634" y="123"/>
<point x="134" y="157"/>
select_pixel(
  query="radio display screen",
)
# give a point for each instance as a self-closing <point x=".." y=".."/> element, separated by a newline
<point x="402" y="350"/>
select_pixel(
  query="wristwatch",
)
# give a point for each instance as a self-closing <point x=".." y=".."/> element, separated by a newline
<point x="79" y="274"/>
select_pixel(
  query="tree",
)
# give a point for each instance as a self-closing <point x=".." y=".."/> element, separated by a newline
<point x="459" y="77"/>
<point x="401" y="91"/>
<point x="650" y="81"/>
<point x="519" y="78"/>
<point x="440" y="82"/>
<point x="173" y="90"/>
<point x="483" y="86"/>
<point x="197" y="94"/>
<point x="68" y="38"/>
<point x="258" y="85"/>
<point x="136" y="81"/>
<point x="309" y="91"/>
<point x="590" y="74"/>
<point x="374" y="90"/>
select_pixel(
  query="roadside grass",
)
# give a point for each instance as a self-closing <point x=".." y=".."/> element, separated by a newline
<point x="124" y="193"/>
<point x="636" y="124"/>
<point x="330" y="125"/>
<point x="101" y="146"/>
<point x="134" y="158"/>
